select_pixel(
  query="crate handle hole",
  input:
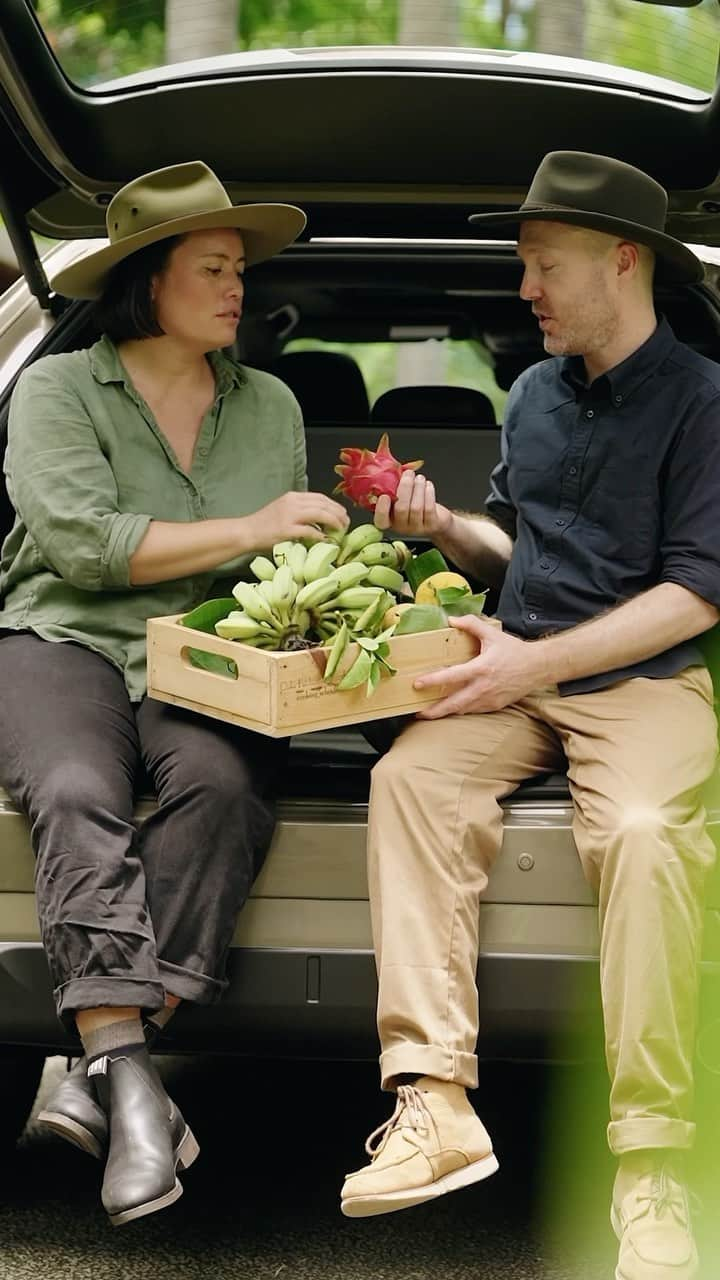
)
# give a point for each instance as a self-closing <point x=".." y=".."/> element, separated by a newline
<point x="213" y="663"/>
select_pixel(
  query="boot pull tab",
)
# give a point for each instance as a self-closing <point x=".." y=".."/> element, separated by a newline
<point x="99" y="1066"/>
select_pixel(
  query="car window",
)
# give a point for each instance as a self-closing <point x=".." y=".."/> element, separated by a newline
<point x="444" y="362"/>
<point x="99" y="40"/>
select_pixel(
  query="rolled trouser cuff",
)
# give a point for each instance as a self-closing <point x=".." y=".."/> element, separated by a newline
<point x="429" y="1060"/>
<point x="188" y="984"/>
<point x="650" y="1133"/>
<point x="106" y="993"/>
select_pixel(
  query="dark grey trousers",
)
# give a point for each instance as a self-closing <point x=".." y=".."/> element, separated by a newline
<point x="127" y="914"/>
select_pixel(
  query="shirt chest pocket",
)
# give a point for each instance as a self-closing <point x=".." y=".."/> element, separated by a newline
<point x="622" y="505"/>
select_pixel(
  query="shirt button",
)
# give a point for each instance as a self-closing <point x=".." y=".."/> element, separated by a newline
<point x="202" y="452"/>
<point x="544" y="564"/>
<point x="618" y="399"/>
<point x="532" y="617"/>
<point x="590" y="413"/>
<point x="560" y="523"/>
<point x="573" y="471"/>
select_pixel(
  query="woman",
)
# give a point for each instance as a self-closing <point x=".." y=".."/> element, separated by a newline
<point x="142" y="471"/>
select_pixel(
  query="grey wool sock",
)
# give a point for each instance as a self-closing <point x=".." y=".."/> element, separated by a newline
<point x="161" y="1017"/>
<point x="115" y="1036"/>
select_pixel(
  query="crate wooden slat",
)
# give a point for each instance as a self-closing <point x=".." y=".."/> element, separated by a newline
<point x="284" y="693"/>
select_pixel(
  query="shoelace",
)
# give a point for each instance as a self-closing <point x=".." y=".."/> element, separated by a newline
<point x="410" y="1111"/>
<point x="667" y="1195"/>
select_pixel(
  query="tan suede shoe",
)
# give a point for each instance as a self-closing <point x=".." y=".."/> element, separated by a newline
<point x="653" y="1226"/>
<point x="433" y="1143"/>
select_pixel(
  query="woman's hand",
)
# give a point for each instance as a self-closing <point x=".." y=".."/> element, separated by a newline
<point x="414" y="510"/>
<point x="295" y="516"/>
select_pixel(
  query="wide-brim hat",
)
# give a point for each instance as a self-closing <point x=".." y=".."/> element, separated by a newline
<point x="169" y="202"/>
<point x="608" y="195"/>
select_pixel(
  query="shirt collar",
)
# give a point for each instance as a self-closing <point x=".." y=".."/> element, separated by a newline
<point x="620" y="382"/>
<point x="106" y="366"/>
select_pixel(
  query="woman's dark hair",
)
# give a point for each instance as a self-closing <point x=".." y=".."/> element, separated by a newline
<point x="125" y="309"/>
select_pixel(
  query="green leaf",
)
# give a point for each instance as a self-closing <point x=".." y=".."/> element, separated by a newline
<point x="449" y="595"/>
<point x="206" y="615"/>
<point x="423" y="566"/>
<point x="422" y="617"/>
<point x="213" y="662"/>
<point x="468" y="605"/>
<point x="373" y="679"/>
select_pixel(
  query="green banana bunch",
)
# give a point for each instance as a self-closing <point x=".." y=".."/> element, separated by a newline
<point x="331" y="591"/>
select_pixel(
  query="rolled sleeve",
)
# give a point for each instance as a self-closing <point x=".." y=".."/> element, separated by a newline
<point x="63" y="488"/>
<point x="690" y="547"/>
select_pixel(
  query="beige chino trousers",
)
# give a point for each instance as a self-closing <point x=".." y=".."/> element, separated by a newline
<point x="638" y="755"/>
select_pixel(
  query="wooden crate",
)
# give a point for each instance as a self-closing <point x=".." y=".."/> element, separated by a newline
<point x="284" y="693"/>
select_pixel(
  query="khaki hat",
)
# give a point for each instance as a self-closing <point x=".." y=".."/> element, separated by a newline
<point x="169" y="202"/>
<point x="604" y="194"/>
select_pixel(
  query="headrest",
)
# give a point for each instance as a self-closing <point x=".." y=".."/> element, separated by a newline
<point x="328" y="385"/>
<point x="450" y="406"/>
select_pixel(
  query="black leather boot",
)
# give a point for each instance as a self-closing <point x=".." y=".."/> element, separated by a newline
<point x="148" y="1138"/>
<point x="73" y="1111"/>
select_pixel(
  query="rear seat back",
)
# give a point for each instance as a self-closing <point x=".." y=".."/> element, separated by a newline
<point x="416" y="406"/>
<point x="328" y="385"/>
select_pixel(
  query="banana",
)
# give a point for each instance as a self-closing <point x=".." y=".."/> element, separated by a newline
<point x="263" y="568"/>
<point x="378" y="553"/>
<point x="339" y="646"/>
<point x="284" y="591"/>
<point x="254" y="604"/>
<point x="358" y="672"/>
<point x="358" y="597"/>
<point x="319" y="560"/>
<point x="351" y="575"/>
<point x="280" y="550"/>
<point x="404" y="554"/>
<point x="238" y="626"/>
<point x="372" y="615"/>
<point x="357" y="539"/>
<point x="380" y="576"/>
<point x="295" y="557"/>
<point x="316" y="593"/>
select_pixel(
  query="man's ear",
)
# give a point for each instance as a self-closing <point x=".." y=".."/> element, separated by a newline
<point x="628" y="258"/>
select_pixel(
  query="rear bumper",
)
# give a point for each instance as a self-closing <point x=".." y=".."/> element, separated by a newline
<point x="321" y="1004"/>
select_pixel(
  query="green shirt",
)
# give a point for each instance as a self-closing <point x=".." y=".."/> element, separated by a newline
<point x="88" y="469"/>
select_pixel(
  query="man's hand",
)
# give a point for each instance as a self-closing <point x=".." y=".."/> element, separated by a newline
<point x="504" y="671"/>
<point x="414" y="510"/>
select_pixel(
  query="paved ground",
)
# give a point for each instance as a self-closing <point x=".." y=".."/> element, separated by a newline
<point x="261" y="1201"/>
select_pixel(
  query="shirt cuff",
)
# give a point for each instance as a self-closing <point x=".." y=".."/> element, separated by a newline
<point x="696" y="579"/>
<point x="126" y="533"/>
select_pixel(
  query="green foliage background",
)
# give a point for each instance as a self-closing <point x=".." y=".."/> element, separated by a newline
<point x="98" y="40"/>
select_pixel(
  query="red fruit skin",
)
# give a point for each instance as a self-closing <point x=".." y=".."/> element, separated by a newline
<point x="367" y="474"/>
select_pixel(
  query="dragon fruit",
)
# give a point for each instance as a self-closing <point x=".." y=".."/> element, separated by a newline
<point x="366" y="474"/>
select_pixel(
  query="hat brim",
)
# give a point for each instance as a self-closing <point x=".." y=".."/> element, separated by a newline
<point x="676" y="264"/>
<point x="266" y="229"/>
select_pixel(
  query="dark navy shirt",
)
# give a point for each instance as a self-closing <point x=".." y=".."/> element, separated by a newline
<point x="608" y="490"/>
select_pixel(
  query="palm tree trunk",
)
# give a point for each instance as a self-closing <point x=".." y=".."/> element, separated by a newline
<point x="200" y="28"/>
<point x="428" y="22"/>
<point x="561" y="27"/>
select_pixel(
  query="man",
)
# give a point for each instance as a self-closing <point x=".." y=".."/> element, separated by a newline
<point x="603" y="531"/>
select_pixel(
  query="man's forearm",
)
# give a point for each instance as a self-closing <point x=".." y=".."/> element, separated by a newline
<point x="478" y="546"/>
<point x="651" y="623"/>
